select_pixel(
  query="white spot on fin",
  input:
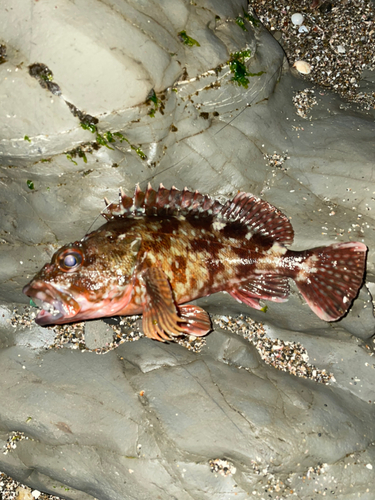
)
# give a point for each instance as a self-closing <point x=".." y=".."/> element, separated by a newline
<point x="217" y="225"/>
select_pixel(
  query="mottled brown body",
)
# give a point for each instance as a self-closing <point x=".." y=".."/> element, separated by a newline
<point x="164" y="248"/>
<point x="196" y="259"/>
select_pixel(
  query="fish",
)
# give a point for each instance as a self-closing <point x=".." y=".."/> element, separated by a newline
<point x="161" y="249"/>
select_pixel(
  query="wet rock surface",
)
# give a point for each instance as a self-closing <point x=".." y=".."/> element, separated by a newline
<point x="152" y="420"/>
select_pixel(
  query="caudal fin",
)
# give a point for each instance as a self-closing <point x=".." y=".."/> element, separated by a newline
<point x="330" y="278"/>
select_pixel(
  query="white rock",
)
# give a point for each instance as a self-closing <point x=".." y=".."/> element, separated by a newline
<point x="341" y="49"/>
<point x="302" y="67"/>
<point x="303" y="29"/>
<point x="23" y="493"/>
<point x="297" y="19"/>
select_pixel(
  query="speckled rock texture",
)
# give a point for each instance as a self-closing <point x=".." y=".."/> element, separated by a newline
<point x="143" y="421"/>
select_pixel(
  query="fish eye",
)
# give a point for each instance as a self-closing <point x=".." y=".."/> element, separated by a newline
<point x="70" y="260"/>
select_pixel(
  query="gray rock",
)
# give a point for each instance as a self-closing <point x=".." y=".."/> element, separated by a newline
<point x="97" y="334"/>
<point x="145" y="420"/>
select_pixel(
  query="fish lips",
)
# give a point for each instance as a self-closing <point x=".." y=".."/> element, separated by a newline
<point x="62" y="307"/>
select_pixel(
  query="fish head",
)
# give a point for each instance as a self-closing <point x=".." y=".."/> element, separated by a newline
<point x="87" y="279"/>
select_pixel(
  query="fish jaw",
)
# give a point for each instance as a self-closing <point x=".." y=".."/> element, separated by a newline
<point x="58" y="307"/>
<point x="64" y="308"/>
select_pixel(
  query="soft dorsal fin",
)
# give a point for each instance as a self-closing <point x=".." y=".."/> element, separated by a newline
<point x="260" y="216"/>
<point x="257" y="215"/>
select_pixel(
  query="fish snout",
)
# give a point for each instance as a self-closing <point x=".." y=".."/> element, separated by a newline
<point x="56" y="306"/>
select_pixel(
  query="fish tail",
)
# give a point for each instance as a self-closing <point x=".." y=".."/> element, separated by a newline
<point x="329" y="278"/>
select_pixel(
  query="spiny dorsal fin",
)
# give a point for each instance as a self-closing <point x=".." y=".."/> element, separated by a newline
<point x="163" y="202"/>
<point x="256" y="214"/>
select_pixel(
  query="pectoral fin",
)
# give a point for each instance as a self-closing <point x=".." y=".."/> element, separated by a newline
<point x="198" y="322"/>
<point x="160" y="318"/>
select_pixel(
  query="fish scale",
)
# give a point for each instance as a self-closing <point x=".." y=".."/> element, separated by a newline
<point x="160" y="249"/>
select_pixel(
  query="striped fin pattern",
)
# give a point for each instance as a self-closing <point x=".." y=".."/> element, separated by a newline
<point x="245" y="209"/>
<point x="163" y="202"/>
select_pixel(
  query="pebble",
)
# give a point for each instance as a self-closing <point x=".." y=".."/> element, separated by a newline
<point x="304" y="101"/>
<point x="277" y="160"/>
<point x="97" y="334"/>
<point x="297" y="19"/>
<point x="302" y="67"/>
<point x="13" y="490"/>
<point x="287" y="356"/>
<point x="23" y="493"/>
<point x="303" y="29"/>
<point x="348" y="25"/>
<point x="223" y="467"/>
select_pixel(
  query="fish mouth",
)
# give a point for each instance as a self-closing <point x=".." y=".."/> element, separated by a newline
<point x="56" y="306"/>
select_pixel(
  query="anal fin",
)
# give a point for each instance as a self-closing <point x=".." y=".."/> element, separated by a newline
<point x="241" y="295"/>
<point x="262" y="286"/>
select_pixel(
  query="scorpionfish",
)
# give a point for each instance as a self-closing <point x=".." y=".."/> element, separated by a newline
<point x="161" y="249"/>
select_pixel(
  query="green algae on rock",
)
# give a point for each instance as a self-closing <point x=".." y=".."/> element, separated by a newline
<point x="187" y="40"/>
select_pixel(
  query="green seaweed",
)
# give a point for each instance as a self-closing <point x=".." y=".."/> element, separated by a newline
<point x="241" y="22"/>
<point x="80" y="152"/>
<point x="120" y="136"/>
<point x="102" y="141"/>
<point x="187" y="40"/>
<point x="251" y="19"/>
<point x="109" y="136"/>
<point x="47" y="77"/>
<point x="30" y="184"/>
<point x="139" y="152"/>
<point x="238" y="68"/>
<point x="44" y="76"/>
<point x="153" y="98"/>
<point x="71" y="159"/>
<point x="82" y="155"/>
<point x="89" y="126"/>
<point x="27" y="138"/>
<point x="264" y="309"/>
